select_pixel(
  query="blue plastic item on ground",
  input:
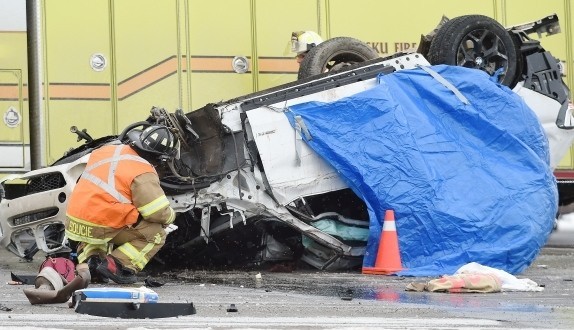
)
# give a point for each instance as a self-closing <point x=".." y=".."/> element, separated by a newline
<point x="110" y="294"/>
<point x="466" y="170"/>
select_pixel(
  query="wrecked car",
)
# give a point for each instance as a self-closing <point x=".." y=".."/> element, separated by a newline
<point x="249" y="192"/>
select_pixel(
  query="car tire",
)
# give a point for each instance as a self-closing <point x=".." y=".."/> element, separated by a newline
<point x="334" y="54"/>
<point x="480" y="42"/>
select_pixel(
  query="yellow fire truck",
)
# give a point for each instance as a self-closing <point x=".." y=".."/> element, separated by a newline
<point x="105" y="63"/>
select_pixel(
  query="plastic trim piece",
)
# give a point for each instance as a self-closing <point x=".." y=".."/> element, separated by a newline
<point x="133" y="310"/>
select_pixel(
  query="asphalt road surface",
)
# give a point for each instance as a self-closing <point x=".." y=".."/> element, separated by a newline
<point x="317" y="300"/>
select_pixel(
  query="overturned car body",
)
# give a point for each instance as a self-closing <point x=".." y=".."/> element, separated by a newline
<point x="249" y="192"/>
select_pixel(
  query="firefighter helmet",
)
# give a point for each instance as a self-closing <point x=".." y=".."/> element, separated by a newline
<point x="303" y="41"/>
<point x="155" y="139"/>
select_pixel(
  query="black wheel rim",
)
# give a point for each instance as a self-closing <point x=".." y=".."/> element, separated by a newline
<point x="484" y="50"/>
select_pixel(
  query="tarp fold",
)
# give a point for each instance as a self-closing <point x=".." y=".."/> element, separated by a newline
<point x="468" y="181"/>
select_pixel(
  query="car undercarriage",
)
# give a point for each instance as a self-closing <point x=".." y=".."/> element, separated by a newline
<point x="247" y="191"/>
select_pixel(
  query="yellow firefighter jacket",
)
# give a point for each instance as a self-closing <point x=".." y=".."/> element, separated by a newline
<point x="116" y="188"/>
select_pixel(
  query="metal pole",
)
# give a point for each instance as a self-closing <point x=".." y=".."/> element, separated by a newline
<point x="34" y="82"/>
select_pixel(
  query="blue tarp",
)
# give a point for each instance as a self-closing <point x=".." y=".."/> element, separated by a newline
<point x="468" y="182"/>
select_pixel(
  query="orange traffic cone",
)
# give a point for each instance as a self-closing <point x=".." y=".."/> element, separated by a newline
<point x="388" y="256"/>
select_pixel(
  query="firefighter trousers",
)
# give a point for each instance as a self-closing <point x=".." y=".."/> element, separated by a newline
<point x="133" y="247"/>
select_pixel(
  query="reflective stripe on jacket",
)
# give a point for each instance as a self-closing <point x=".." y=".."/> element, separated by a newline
<point x="103" y="195"/>
<point x="150" y="199"/>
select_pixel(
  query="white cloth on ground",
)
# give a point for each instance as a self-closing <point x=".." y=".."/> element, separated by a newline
<point x="509" y="281"/>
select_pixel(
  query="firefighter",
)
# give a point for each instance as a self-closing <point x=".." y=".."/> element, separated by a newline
<point x="302" y="42"/>
<point x="118" y="211"/>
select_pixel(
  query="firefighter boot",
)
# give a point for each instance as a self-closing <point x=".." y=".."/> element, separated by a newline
<point x="111" y="268"/>
<point x="93" y="263"/>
